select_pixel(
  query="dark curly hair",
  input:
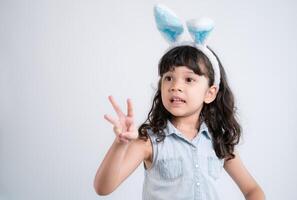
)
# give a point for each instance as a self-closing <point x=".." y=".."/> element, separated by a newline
<point x="219" y="115"/>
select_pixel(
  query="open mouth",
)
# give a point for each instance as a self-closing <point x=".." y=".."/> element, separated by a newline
<point x="177" y="100"/>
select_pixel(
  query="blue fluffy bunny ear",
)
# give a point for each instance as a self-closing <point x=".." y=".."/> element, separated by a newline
<point x="200" y="29"/>
<point x="168" y="23"/>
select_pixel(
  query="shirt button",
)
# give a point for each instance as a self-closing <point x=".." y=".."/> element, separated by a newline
<point x="197" y="183"/>
<point x="196" y="165"/>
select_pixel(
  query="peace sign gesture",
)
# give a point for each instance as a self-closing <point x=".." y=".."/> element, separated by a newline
<point x="123" y="127"/>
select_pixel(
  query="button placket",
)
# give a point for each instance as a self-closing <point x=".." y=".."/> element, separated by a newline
<point x="196" y="177"/>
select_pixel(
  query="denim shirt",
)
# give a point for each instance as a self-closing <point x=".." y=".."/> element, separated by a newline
<point x="182" y="169"/>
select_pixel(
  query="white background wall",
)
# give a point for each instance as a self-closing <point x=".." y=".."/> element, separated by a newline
<point x="59" y="60"/>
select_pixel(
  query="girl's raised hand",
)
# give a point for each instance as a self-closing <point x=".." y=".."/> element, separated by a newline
<point x="123" y="127"/>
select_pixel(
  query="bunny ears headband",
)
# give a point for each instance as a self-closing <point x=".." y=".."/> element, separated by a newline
<point x="171" y="28"/>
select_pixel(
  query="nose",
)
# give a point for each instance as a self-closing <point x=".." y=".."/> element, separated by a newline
<point x="175" y="87"/>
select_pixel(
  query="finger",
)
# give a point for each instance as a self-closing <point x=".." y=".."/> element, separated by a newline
<point x="117" y="130"/>
<point x="115" y="106"/>
<point x="123" y="138"/>
<point x="130" y="124"/>
<point x="131" y="128"/>
<point x="114" y="122"/>
<point x="129" y="135"/>
<point x="130" y="108"/>
<point x="110" y="119"/>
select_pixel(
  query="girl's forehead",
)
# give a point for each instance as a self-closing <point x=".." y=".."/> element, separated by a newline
<point x="180" y="69"/>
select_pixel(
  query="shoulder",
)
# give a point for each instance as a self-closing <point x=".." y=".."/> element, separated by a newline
<point x="149" y="147"/>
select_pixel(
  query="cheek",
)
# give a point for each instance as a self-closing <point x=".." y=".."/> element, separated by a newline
<point x="163" y="85"/>
<point x="197" y="95"/>
<point x="162" y="92"/>
<point x="164" y="89"/>
<point x="164" y="96"/>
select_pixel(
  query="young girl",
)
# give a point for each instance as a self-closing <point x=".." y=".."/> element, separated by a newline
<point x="190" y="132"/>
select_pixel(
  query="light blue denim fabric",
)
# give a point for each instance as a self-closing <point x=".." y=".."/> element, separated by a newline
<point x="182" y="169"/>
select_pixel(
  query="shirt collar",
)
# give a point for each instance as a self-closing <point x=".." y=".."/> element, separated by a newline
<point x="170" y="129"/>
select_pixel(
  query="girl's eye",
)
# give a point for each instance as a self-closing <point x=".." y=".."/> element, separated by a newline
<point x="167" y="78"/>
<point x="190" y="79"/>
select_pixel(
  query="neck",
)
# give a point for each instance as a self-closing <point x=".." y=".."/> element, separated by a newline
<point x="186" y="123"/>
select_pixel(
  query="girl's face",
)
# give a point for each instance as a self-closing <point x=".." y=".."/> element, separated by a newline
<point x="183" y="92"/>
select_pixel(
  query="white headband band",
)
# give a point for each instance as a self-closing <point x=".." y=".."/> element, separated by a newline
<point x="171" y="28"/>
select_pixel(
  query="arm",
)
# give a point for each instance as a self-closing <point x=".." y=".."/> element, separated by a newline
<point x="246" y="183"/>
<point x="120" y="161"/>
<point x="124" y="155"/>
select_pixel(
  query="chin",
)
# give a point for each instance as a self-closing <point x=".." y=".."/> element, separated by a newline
<point x="177" y="113"/>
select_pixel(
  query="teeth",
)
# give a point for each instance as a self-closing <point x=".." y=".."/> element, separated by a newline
<point x="176" y="99"/>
